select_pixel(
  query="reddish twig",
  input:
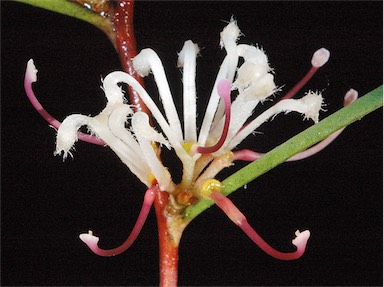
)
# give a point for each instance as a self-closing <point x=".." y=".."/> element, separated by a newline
<point x="168" y="249"/>
<point x="122" y="19"/>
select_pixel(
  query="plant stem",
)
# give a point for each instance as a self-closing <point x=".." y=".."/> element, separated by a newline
<point x="126" y="47"/>
<point x="168" y="250"/>
<point x="125" y="44"/>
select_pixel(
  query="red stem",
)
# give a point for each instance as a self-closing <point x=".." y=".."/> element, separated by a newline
<point x="168" y="249"/>
<point x="126" y="46"/>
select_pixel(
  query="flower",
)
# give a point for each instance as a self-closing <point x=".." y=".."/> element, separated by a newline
<point x="203" y="153"/>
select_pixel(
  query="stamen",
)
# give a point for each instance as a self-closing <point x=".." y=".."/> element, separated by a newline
<point x="319" y="58"/>
<point x="236" y="216"/>
<point x="31" y="77"/>
<point x="92" y="241"/>
<point x="224" y="90"/>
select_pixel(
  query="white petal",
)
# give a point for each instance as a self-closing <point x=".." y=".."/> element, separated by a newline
<point x="126" y="78"/>
<point x="141" y="127"/>
<point x="187" y="60"/>
<point x="99" y="126"/>
<point x="212" y="105"/>
<point x="146" y="131"/>
<point x="229" y="37"/>
<point x="228" y="40"/>
<point x="116" y="124"/>
<point x="309" y="105"/>
<point x="253" y="55"/>
<point x="113" y="92"/>
<point x="67" y="133"/>
<point x="242" y="107"/>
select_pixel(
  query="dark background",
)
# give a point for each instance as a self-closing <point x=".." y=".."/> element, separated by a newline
<point x="46" y="202"/>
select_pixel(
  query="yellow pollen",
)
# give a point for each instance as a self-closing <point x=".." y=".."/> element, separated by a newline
<point x="151" y="179"/>
<point x="208" y="186"/>
<point x="187" y="146"/>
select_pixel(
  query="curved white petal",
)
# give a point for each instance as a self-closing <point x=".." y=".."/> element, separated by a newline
<point x="228" y="40"/>
<point x="309" y="105"/>
<point x="110" y="86"/>
<point x="147" y="60"/>
<point x="67" y="136"/>
<point x="116" y="123"/>
<point x="67" y="133"/>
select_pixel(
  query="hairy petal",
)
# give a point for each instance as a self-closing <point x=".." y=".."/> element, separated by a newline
<point x="309" y="105"/>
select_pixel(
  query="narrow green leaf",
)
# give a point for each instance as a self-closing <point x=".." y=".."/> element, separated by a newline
<point x="345" y="116"/>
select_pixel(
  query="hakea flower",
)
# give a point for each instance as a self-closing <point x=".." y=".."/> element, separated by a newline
<point x="202" y="154"/>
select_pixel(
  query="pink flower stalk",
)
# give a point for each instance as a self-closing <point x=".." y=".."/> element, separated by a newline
<point x="203" y="154"/>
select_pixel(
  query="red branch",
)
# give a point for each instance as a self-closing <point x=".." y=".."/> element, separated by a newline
<point x="122" y="19"/>
<point x="168" y="250"/>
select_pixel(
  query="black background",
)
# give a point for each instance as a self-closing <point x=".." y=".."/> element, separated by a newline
<point x="46" y="202"/>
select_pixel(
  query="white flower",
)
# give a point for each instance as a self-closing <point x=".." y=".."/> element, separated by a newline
<point x="224" y="124"/>
<point x="203" y="152"/>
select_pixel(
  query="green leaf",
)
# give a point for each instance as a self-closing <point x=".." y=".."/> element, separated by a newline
<point x="75" y="10"/>
<point x="345" y="116"/>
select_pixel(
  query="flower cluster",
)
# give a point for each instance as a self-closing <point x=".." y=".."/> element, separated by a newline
<point x="203" y="152"/>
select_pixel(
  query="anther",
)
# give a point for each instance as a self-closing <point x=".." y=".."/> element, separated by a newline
<point x="320" y="57"/>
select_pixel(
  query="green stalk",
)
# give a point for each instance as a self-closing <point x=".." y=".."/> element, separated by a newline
<point x="314" y="134"/>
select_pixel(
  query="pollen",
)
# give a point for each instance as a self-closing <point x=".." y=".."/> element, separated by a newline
<point x="187" y="146"/>
<point x="208" y="186"/>
<point x="152" y="179"/>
